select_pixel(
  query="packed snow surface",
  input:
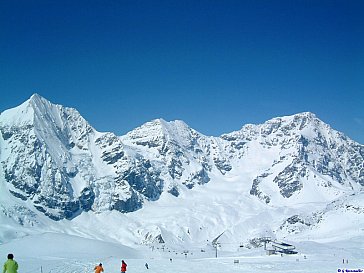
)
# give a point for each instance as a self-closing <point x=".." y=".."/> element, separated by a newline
<point x="60" y="253"/>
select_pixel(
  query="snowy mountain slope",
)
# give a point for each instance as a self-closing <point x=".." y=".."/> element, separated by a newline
<point x="308" y="160"/>
<point x="53" y="157"/>
<point x="188" y="155"/>
<point x="166" y="182"/>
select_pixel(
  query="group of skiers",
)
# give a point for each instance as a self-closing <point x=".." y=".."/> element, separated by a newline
<point x="11" y="266"/>
<point x="99" y="268"/>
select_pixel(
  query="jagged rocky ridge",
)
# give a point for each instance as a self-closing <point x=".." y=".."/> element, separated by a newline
<point x="52" y="158"/>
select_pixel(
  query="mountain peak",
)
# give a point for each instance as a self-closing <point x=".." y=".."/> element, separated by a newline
<point x="307" y="116"/>
<point x="24" y="113"/>
<point x="305" y="123"/>
<point x="160" y="127"/>
<point x="36" y="96"/>
<point x="160" y="122"/>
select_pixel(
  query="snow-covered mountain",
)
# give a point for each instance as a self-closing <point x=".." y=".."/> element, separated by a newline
<point x="166" y="182"/>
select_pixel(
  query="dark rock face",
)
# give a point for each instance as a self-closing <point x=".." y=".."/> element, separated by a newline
<point x="201" y="177"/>
<point x="87" y="199"/>
<point x="298" y="223"/>
<point x="289" y="179"/>
<point x="174" y="191"/>
<point x="223" y="165"/>
<point x="143" y="180"/>
<point x="175" y="168"/>
<point x="256" y="191"/>
<point x="133" y="203"/>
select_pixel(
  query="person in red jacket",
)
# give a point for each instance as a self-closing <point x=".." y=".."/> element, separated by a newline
<point x="123" y="266"/>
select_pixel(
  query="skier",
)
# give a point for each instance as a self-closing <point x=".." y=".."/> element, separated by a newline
<point x="10" y="266"/>
<point x="146" y="265"/>
<point x="99" y="268"/>
<point x="123" y="266"/>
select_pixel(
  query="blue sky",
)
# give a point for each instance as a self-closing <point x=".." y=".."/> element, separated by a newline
<point x="217" y="65"/>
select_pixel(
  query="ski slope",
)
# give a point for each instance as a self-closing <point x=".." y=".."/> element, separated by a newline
<point x="62" y="253"/>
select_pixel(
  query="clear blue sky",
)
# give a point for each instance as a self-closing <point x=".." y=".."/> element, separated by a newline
<point x="217" y="65"/>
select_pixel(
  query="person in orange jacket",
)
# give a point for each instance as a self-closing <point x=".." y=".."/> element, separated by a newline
<point x="99" y="268"/>
<point x="123" y="266"/>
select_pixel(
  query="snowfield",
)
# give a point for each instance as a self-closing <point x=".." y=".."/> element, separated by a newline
<point x="52" y="252"/>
